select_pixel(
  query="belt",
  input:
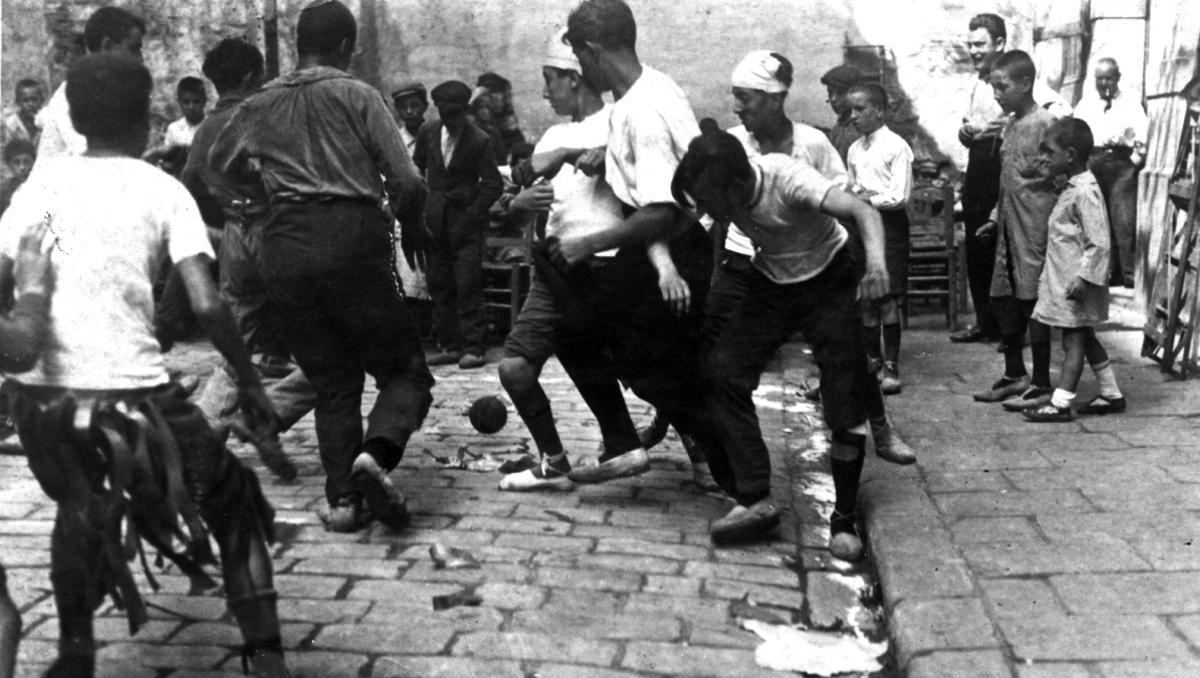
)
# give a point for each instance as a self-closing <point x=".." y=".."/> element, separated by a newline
<point x="301" y="200"/>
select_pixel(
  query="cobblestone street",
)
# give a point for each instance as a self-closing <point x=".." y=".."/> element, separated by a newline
<point x="603" y="582"/>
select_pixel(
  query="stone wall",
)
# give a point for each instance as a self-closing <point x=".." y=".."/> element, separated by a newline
<point x="698" y="42"/>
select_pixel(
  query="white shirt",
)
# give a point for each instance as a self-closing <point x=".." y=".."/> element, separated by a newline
<point x="410" y="140"/>
<point x="793" y="240"/>
<point x="582" y="204"/>
<point x="114" y="218"/>
<point x="180" y="133"/>
<point x="59" y="137"/>
<point x="808" y="144"/>
<point x="881" y="162"/>
<point x="649" y="132"/>
<point x="1123" y="124"/>
<point x="449" y="141"/>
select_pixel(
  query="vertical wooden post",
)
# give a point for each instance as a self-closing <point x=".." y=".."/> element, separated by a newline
<point x="271" y="37"/>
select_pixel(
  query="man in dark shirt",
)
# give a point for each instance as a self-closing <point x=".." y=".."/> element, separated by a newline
<point x="459" y="163"/>
<point x="327" y="148"/>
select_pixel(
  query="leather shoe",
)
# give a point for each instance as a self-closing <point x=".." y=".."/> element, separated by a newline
<point x="746" y="522"/>
<point x="1034" y="396"/>
<point x="1102" y="405"/>
<point x="471" y="361"/>
<point x="970" y="335"/>
<point x="1003" y="389"/>
<point x="387" y="504"/>
<point x="1048" y="413"/>
<point x="631" y="463"/>
<point x="844" y="540"/>
<point x="442" y="358"/>
<point x="889" y="446"/>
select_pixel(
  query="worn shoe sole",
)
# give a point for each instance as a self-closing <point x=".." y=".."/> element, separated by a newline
<point x="627" y="465"/>
<point x="749" y="530"/>
<point x="385" y="505"/>
<point x="1113" y="407"/>
<point x="528" y="481"/>
<point x="995" y="395"/>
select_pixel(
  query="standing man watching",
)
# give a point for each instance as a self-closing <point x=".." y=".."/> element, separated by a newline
<point x="328" y="148"/>
<point x="983" y="123"/>
<point x="838" y="81"/>
<point x="1119" y="125"/>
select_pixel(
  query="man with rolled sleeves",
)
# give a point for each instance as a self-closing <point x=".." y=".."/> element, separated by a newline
<point x="459" y="164"/>
<point x="327" y="149"/>
<point x="1119" y="124"/>
<point x="838" y="81"/>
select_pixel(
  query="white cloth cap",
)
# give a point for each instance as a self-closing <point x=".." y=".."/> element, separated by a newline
<point x="560" y="55"/>
<point x="757" y="71"/>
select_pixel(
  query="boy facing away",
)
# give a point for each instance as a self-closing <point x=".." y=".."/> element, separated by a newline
<point x="1073" y="289"/>
<point x="113" y="218"/>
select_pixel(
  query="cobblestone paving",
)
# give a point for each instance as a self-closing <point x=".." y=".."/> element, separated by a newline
<point x="603" y="582"/>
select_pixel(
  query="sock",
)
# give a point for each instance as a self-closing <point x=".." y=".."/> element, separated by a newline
<point x="1108" y="380"/>
<point x="846" y="475"/>
<point x="871" y="339"/>
<point x="891" y="343"/>
<point x="1041" y="364"/>
<point x="1061" y="399"/>
<point x="1014" y="361"/>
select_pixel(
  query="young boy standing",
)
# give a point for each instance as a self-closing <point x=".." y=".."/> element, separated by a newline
<point x="22" y="123"/>
<point x="19" y="155"/>
<point x="1073" y="289"/>
<point x="1019" y="222"/>
<point x="114" y="217"/>
<point x="192" y="98"/>
<point x="880" y="167"/>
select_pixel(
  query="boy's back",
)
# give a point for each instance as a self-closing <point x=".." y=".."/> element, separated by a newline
<point x="113" y="219"/>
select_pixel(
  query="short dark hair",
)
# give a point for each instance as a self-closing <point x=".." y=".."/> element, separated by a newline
<point x="113" y="23"/>
<point x="605" y="22"/>
<point x="190" y="85"/>
<point x="322" y="27"/>
<point x="16" y="147"/>
<point x="1074" y="134"/>
<point x="108" y="94"/>
<point x="1018" y="65"/>
<point x="28" y="82"/>
<point x="715" y="152"/>
<point x="709" y="125"/>
<point x="992" y="23"/>
<point x="784" y="72"/>
<point x="228" y="64"/>
<point x="493" y="82"/>
<point x="875" y="94"/>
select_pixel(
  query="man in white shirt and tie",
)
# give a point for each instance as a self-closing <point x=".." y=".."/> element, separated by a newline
<point x="1119" y="125"/>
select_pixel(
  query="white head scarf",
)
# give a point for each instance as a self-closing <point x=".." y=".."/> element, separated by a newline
<point x="560" y="55"/>
<point x="757" y="71"/>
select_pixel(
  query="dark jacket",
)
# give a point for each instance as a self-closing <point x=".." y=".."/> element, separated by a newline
<point x="459" y="195"/>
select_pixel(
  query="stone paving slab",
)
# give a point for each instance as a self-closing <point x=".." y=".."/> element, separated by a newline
<point x="609" y="581"/>
<point x="1051" y="551"/>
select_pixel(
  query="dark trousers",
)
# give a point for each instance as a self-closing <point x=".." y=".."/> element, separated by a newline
<point x="329" y="270"/>
<point x="730" y="281"/>
<point x="981" y="262"/>
<point x="1117" y="176"/>
<point x="455" y="278"/>
<point x="244" y="291"/>
<point x="616" y="326"/>
<point x="825" y="309"/>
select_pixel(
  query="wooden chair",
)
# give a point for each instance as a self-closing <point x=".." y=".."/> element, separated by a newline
<point x="505" y="284"/>
<point x="935" y="269"/>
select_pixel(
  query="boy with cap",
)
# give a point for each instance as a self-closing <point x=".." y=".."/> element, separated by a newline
<point x="411" y="102"/>
<point x="458" y="161"/>
<point x="880" y="165"/>
<point x="108" y="436"/>
<point x="838" y="81"/>
<point x="327" y="148"/>
<point x="1019" y="222"/>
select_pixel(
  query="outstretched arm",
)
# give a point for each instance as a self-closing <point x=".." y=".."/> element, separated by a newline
<point x="842" y="205"/>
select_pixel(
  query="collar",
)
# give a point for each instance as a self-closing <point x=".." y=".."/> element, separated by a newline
<point x="1084" y="178"/>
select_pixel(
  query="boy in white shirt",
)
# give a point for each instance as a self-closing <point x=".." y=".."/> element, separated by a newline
<point x="134" y="433"/>
<point x="880" y="167"/>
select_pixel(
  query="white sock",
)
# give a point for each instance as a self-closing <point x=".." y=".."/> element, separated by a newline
<point x="1108" y="380"/>
<point x="1061" y="399"/>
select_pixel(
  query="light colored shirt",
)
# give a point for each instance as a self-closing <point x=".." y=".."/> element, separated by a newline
<point x="582" y="204"/>
<point x="318" y="132"/>
<point x="113" y="219"/>
<point x="881" y="162"/>
<point x="1026" y="199"/>
<point x="793" y="240"/>
<point x="982" y="109"/>
<point x="14" y="128"/>
<point x="59" y="137"/>
<point x="649" y="132"/>
<point x="809" y="145"/>
<point x="1123" y="124"/>
<point x="180" y="133"/>
<point x="410" y="140"/>
<point x="449" y="141"/>
<point x="1078" y="247"/>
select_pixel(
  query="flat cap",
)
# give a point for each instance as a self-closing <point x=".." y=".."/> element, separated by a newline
<point x="841" y="76"/>
<point x="451" y="92"/>
<point x="411" y="88"/>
